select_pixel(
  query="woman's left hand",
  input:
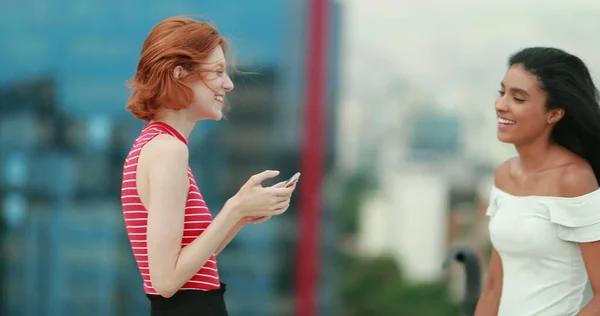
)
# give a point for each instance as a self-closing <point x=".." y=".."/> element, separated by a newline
<point x="261" y="219"/>
<point x="255" y="219"/>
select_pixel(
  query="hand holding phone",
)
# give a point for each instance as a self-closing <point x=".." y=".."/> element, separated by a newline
<point x="292" y="180"/>
<point x="259" y="219"/>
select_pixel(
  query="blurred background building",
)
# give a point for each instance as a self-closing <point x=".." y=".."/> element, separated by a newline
<point x="64" y="134"/>
<point x="410" y="146"/>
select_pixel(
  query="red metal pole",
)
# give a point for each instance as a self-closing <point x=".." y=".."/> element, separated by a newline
<point x="312" y="159"/>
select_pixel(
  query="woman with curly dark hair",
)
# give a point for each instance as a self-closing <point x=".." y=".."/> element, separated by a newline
<point x="545" y="204"/>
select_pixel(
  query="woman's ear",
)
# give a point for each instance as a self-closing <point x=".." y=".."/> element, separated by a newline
<point x="178" y="72"/>
<point x="555" y="116"/>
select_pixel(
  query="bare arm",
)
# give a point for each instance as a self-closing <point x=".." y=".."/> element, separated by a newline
<point x="251" y="220"/>
<point x="489" y="302"/>
<point x="167" y="188"/>
<point x="591" y="257"/>
<point x="163" y="186"/>
<point x="232" y="233"/>
<point x="578" y="180"/>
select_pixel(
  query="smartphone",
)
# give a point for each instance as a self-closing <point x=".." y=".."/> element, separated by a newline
<point x="292" y="179"/>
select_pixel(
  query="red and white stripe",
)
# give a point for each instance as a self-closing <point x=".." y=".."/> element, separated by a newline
<point x="197" y="215"/>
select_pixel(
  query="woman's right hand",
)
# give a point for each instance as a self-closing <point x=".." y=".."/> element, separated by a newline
<point x="255" y="200"/>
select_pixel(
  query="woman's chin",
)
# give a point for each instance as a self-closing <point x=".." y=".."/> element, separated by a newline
<point x="505" y="138"/>
<point x="218" y="115"/>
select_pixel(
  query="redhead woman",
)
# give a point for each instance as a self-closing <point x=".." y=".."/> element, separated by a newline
<point x="181" y="79"/>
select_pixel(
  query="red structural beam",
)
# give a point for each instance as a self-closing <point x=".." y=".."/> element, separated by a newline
<point x="312" y="159"/>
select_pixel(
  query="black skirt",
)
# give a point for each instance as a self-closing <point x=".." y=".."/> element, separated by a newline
<point x="190" y="303"/>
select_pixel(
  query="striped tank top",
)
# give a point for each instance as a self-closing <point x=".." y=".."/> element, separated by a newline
<point x="197" y="215"/>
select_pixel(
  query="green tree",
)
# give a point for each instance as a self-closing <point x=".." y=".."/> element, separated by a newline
<point x="353" y="193"/>
<point x="375" y="286"/>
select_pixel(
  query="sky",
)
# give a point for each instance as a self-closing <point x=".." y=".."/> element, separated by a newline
<point x="454" y="53"/>
<point x="461" y="42"/>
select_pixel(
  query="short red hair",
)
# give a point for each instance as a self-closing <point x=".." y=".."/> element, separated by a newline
<point x="176" y="41"/>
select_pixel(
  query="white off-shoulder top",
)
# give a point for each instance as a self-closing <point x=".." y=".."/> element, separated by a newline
<point x="537" y="239"/>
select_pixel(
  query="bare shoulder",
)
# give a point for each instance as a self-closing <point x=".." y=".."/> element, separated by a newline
<point x="166" y="145"/>
<point x="166" y="148"/>
<point x="503" y="173"/>
<point x="577" y="179"/>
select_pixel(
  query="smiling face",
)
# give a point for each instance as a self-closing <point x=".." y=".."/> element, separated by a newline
<point x="210" y="89"/>
<point x="521" y="108"/>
